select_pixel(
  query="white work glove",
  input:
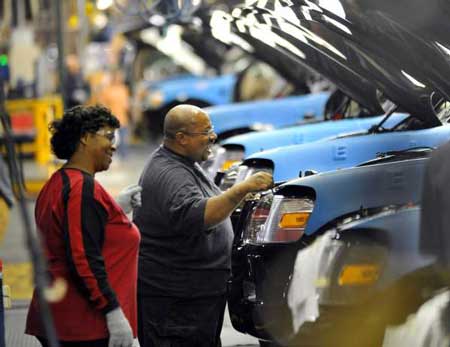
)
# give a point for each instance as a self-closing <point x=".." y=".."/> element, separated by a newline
<point x="129" y="198"/>
<point x="120" y="333"/>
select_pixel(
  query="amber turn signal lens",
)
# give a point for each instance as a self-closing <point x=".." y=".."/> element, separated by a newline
<point x="293" y="220"/>
<point x="228" y="163"/>
<point x="359" y="274"/>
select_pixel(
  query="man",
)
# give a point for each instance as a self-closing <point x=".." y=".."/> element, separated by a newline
<point x="115" y="95"/>
<point x="76" y="88"/>
<point x="184" y="260"/>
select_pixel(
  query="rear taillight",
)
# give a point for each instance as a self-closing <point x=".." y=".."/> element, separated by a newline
<point x="287" y="220"/>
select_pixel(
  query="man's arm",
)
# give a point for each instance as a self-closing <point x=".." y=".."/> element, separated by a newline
<point x="219" y="207"/>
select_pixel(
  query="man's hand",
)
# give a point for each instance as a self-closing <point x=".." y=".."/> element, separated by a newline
<point x="220" y="207"/>
<point x="120" y="333"/>
<point x="258" y="182"/>
<point x="129" y="198"/>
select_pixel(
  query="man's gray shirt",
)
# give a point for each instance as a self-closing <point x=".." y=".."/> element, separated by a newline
<point x="178" y="255"/>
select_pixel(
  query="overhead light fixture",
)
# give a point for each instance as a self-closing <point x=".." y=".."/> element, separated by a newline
<point x="157" y="20"/>
<point x="100" y="20"/>
<point x="103" y="5"/>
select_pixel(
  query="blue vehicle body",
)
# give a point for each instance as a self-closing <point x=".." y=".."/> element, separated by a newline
<point x="296" y="135"/>
<point x="362" y="187"/>
<point x="387" y="241"/>
<point x="208" y="90"/>
<point x="337" y="196"/>
<point x="327" y="155"/>
<point x="175" y="78"/>
<point x="398" y="231"/>
<point x="273" y="113"/>
<point x="262" y="268"/>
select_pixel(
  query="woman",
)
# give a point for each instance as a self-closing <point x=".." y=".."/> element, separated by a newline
<point x="89" y="241"/>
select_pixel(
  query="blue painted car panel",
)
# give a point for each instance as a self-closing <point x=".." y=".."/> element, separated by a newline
<point x="280" y="112"/>
<point x="339" y="153"/>
<point x="180" y="78"/>
<point x="260" y="141"/>
<point x="211" y="90"/>
<point x="401" y="233"/>
<point x="339" y="193"/>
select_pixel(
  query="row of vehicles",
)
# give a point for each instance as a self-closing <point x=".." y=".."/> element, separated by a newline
<point x="365" y="207"/>
<point x="331" y="256"/>
<point x="243" y="77"/>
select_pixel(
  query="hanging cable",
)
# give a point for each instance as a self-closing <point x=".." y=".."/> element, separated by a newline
<point x="41" y="280"/>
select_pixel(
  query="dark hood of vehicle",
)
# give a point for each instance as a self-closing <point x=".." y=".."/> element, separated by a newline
<point x="202" y="43"/>
<point x="285" y="56"/>
<point x="323" y="36"/>
<point x="422" y="23"/>
<point x="205" y="46"/>
<point x="412" y="64"/>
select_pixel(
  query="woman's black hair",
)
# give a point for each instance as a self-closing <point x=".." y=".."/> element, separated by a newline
<point x="75" y="123"/>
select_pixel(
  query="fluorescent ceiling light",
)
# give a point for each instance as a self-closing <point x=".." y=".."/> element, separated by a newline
<point x="104" y="4"/>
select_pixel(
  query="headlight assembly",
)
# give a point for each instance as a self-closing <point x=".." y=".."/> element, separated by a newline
<point x="287" y="219"/>
<point x="233" y="175"/>
<point x="222" y="159"/>
<point x="278" y="219"/>
<point x="349" y="271"/>
<point x="232" y="156"/>
<point x="257" y="219"/>
<point x="212" y="164"/>
<point x="155" y="99"/>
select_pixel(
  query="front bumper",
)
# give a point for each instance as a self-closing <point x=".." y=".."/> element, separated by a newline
<point x="256" y="290"/>
<point x="258" y="306"/>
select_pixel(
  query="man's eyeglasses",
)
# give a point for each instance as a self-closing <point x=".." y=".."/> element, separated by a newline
<point x="107" y="134"/>
<point x="204" y="133"/>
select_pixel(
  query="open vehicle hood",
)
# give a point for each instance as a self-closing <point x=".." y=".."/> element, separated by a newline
<point x="277" y="50"/>
<point x="427" y="20"/>
<point x="200" y="42"/>
<point x="415" y="63"/>
<point x="306" y="30"/>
